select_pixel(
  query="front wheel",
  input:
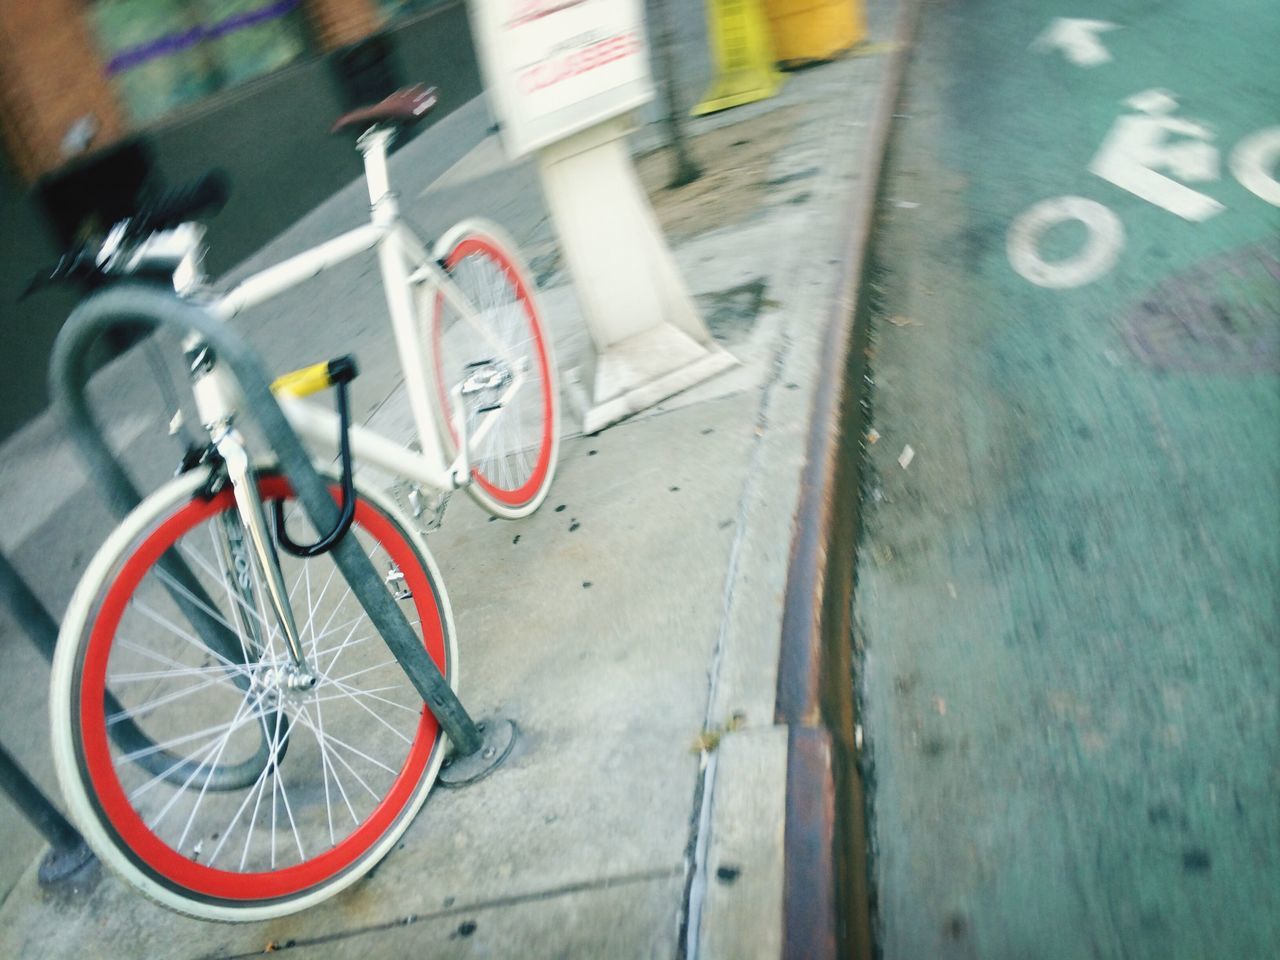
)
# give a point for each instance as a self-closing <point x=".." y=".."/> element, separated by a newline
<point x="498" y="363"/>
<point x="348" y="762"/>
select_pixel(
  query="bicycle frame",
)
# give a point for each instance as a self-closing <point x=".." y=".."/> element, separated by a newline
<point x="405" y="266"/>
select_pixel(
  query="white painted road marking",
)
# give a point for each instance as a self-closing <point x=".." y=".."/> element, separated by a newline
<point x="1077" y="39"/>
<point x="1153" y="101"/>
<point x="1096" y="257"/>
<point x="1138" y="146"/>
<point x="1254" y="162"/>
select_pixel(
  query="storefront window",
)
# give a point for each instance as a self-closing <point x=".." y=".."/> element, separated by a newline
<point x="162" y="54"/>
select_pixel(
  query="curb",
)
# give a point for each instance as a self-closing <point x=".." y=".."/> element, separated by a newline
<point x="826" y="910"/>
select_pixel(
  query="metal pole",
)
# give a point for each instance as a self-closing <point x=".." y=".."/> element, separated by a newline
<point x="70" y="855"/>
<point x="41" y="814"/>
<point x="27" y="608"/>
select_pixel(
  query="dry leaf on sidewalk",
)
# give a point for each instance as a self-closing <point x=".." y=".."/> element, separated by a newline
<point x="707" y="741"/>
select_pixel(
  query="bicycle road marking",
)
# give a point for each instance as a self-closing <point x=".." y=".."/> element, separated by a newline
<point x="1139" y="146"/>
<point x="1095" y="258"/>
<point x="1254" y="161"/>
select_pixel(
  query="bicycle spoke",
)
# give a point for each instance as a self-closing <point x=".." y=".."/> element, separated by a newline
<point x="338" y="629"/>
<point x="231" y="668"/>
<point x="272" y="766"/>
<point x="144" y="708"/>
<point x="324" y="753"/>
<point x="371" y="694"/>
<point x="176" y="671"/>
<point x="312" y="610"/>
<point x="377" y="716"/>
<point x="232" y="595"/>
<point x="255" y="788"/>
<point x="288" y="809"/>
<point x="324" y="770"/>
<point x="342" y="646"/>
<point x="159" y="748"/>
<point x="212" y="761"/>
<point x="177" y="631"/>
<point x="175" y="741"/>
<point x="334" y="741"/>
<point x="362" y="671"/>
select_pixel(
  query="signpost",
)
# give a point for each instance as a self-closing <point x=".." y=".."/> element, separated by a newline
<point x="563" y="77"/>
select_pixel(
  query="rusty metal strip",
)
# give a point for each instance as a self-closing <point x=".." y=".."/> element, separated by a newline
<point x="809" y="896"/>
<point x="825" y="908"/>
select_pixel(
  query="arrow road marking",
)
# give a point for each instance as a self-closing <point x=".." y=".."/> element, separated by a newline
<point x="1077" y="39"/>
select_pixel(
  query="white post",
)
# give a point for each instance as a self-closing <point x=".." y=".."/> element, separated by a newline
<point x="562" y="79"/>
<point x="648" y="341"/>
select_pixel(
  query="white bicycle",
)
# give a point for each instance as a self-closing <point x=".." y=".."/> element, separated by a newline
<point x="227" y="730"/>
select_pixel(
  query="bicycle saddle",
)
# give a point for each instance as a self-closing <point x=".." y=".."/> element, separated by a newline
<point x="404" y="107"/>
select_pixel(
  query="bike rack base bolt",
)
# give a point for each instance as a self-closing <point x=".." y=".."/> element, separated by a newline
<point x="74" y="871"/>
<point x="498" y="739"/>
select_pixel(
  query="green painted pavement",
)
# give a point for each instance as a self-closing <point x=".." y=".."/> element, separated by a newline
<point x="1068" y="602"/>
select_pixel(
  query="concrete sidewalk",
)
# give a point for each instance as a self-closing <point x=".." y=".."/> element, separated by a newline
<point x="641" y="608"/>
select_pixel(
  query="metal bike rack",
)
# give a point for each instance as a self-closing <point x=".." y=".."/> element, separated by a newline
<point x="70" y="857"/>
<point x="138" y="306"/>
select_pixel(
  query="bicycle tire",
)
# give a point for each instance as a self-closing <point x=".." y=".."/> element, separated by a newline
<point x="513" y="465"/>
<point x="215" y="868"/>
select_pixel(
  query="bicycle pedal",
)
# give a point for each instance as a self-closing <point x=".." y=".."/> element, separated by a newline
<point x="396" y="583"/>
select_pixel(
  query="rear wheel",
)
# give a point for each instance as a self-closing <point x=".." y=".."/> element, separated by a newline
<point x="499" y="365"/>
<point x="348" y="762"/>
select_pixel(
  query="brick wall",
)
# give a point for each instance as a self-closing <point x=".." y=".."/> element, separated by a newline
<point x="336" y="23"/>
<point x="50" y="76"/>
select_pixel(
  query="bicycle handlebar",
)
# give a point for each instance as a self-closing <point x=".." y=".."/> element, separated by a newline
<point x="84" y="263"/>
<point x="207" y="193"/>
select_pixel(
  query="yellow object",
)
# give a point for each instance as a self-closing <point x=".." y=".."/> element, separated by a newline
<point x="743" y="56"/>
<point x="808" y="31"/>
<point x="301" y="383"/>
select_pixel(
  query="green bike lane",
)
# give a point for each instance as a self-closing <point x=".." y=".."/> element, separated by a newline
<point x="1068" y="600"/>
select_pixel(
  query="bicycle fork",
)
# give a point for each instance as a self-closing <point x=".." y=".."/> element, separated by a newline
<point x="230" y="447"/>
<point x="211" y="390"/>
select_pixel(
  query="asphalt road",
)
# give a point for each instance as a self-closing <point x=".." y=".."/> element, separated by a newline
<point x="1066" y="608"/>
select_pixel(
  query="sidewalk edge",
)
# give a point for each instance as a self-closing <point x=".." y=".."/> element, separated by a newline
<point x="826" y="898"/>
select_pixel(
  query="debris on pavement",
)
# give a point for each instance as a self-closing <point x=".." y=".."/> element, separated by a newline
<point x="707" y="741"/>
<point x="906" y="456"/>
<point x="872" y="435"/>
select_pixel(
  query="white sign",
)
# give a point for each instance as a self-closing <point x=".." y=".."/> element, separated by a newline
<point x="555" y="67"/>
